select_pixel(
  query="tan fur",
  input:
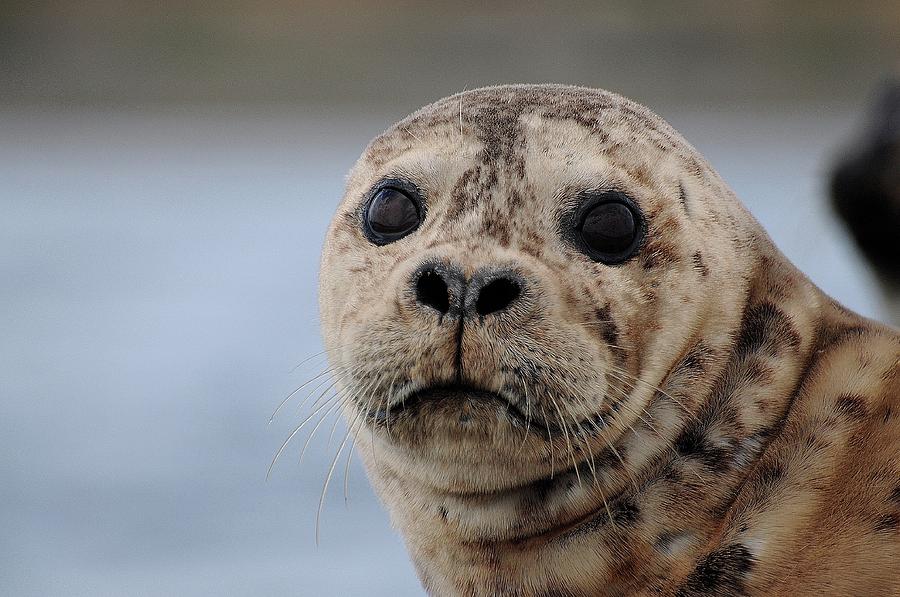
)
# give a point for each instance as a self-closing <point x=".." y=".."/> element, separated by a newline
<point x="752" y="426"/>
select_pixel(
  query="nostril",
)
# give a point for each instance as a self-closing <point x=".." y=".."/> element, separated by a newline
<point x="497" y="296"/>
<point x="431" y="290"/>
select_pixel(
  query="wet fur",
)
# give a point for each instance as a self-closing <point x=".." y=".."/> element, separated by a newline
<point x="746" y="435"/>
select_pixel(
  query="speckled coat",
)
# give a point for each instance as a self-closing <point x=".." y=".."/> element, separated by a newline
<point x="698" y="420"/>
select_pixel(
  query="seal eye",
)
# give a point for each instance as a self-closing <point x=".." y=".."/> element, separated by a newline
<point x="390" y="215"/>
<point x="610" y="230"/>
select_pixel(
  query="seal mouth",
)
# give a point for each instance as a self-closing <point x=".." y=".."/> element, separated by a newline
<point x="513" y="407"/>
<point x="419" y="398"/>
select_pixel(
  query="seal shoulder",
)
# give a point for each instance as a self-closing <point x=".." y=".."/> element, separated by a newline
<point x="824" y="498"/>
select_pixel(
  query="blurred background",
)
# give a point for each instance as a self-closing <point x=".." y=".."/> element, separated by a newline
<point x="167" y="172"/>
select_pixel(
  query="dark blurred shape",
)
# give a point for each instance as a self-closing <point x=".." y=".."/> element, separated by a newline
<point x="865" y="188"/>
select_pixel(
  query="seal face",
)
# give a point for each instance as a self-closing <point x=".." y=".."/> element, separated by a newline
<point x="574" y="364"/>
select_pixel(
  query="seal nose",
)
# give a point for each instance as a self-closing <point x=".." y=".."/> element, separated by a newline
<point x="444" y="288"/>
<point x="492" y="292"/>
<point x="439" y="287"/>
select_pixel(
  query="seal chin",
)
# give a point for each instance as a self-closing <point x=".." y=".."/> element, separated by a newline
<point x="531" y="513"/>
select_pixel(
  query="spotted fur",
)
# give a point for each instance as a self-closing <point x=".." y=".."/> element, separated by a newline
<point x="699" y="420"/>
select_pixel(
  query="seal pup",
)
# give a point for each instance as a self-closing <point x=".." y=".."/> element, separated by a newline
<point x="574" y="364"/>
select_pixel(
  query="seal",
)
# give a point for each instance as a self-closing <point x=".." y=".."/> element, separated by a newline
<point x="574" y="364"/>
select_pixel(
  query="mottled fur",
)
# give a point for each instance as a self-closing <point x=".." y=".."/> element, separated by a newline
<point x="701" y="419"/>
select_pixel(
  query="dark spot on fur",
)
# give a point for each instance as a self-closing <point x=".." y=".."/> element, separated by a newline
<point x="765" y="326"/>
<point x="692" y="443"/>
<point x="626" y="512"/>
<point x="659" y="254"/>
<point x="672" y="473"/>
<point x="887" y="523"/>
<point x="608" y="329"/>
<point x="514" y="201"/>
<point x="851" y="406"/>
<point x="721" y="573"/>
<point x="699" y="265"/>
<point x="758" y="371"/>
<point x="606" y="459"/>
<point x="499" y="130"/>
<point x="694" y="362"/>
<point x="489" y="182"/>
<point x="895" y="495"/>
<point x="473" y="186"/>
<point x="460" y="192"/>
<point x="640" y="175"/>
<point x="532" y="244"/>
<point x="682" y="198"/>
<point x="835" y="334"/>
<point x="694" y="167"/>
<point x="542" y="488"/>
<point x="770" y="473"/>
<point x="497" y="227"/>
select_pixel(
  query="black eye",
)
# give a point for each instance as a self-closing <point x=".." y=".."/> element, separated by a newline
<point x="610" y="229"/>
<point x="390" y="215"/>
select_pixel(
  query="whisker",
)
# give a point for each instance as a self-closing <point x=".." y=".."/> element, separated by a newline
<point x="390" y="392"/>
<point x="327" y="481"/>
<point x="549" y="442"/>
<point x="358" y="421"/>
<point x="606" y="505"/>
<point x="348" y="396"/>
<point x="336" y="403"/>
<point x="621" y="461"/>
<point x="307" y="359"/>
<point x="322" y="394"/>
<point x="292" y="394"/>
<point x="347" y="474"/>
<point x="599" y="488"/>
<point x="290" y="437"/>
<point x="317" y="354"/>
<point x="566" y="433"/>
<point x="586" y="447"/>
<point x="617" y="371"/>
<point x="646" y="420"/>
<point x="596" y="431"/>
<point x="666" y="443"/>
<point x="367" y="409"/>
<point x="413" y="135"/>
<point x="527" y="418"/>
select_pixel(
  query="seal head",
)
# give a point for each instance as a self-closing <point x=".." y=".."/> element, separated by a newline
<point x="562" y="344"/>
